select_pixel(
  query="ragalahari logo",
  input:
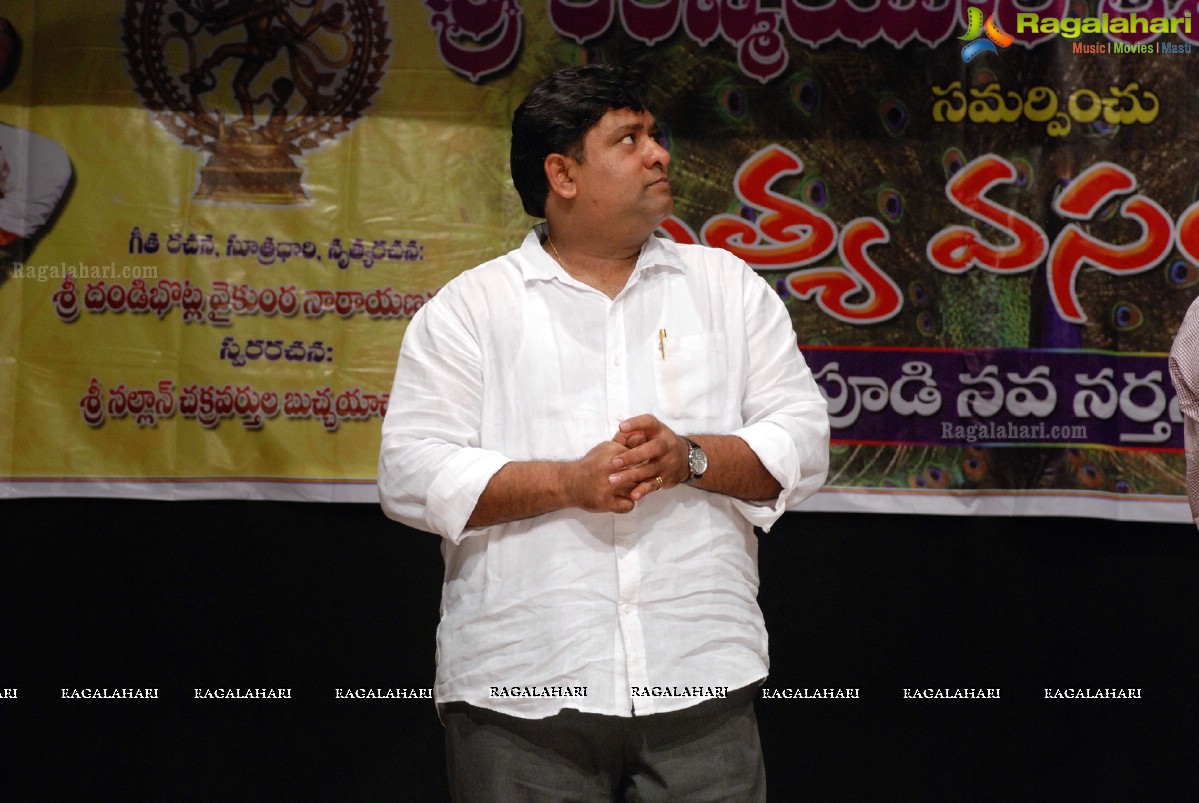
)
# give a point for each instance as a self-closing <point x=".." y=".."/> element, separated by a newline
<point x="975" y="28"/>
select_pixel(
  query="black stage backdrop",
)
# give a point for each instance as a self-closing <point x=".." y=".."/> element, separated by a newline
<point x="320" y="597"/>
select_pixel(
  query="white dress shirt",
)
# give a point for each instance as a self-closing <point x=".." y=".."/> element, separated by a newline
<point x="1184" y="371"/>
<point x="516" y="360"/>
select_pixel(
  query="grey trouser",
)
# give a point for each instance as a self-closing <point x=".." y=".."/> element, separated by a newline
<point x="708" y="752"/>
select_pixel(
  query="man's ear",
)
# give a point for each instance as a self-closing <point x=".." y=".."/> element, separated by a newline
<point x="559" y="175"/>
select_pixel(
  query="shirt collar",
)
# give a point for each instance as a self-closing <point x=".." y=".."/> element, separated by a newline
<point x="537" y="265"/>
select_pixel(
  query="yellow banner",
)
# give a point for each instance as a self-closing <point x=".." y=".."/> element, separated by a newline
<point x="218" y="216"/>
<point x="260" y="196"/>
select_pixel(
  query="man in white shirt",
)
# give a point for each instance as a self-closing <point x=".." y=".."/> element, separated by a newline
<point x="595" y="423"/>
<point x="1184" y="371"/>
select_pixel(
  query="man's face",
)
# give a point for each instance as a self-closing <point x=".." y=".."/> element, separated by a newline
<point x="622" y="177"/>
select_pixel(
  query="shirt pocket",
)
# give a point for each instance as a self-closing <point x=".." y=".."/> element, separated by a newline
<point x="692" y="379"/>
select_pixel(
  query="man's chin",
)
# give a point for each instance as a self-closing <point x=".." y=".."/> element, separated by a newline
<point x="666" y="211"/>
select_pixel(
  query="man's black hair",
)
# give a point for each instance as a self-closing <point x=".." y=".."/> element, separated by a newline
<point x="556" y="116"/>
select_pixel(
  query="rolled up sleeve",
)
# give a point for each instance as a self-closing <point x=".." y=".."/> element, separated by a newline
<point x="431" y="468"/>
<point x="786" y="418"/>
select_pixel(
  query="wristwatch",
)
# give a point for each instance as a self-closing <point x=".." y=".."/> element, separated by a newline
<point x="697" y="461"/>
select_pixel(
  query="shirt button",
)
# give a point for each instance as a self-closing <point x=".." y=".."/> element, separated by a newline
<point x="626" y="608"/>
<point x="616" y="360"/>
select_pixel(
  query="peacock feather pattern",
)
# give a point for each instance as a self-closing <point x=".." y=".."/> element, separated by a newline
<point x="870" y="147"/>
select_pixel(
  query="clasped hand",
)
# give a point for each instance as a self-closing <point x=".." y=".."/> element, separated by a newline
<point x="644" y="456"/>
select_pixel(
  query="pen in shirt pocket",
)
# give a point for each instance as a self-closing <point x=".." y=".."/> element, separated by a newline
<point x="662" y="342"/>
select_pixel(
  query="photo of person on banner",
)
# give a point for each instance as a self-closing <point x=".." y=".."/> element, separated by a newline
<point x="34" y="170"/>
<point x="595" y="423"/>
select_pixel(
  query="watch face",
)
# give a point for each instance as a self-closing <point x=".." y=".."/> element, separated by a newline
<point x="698" y="460"/>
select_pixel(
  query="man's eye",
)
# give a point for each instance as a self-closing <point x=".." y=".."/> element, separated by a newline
<point x="628" y="138"/>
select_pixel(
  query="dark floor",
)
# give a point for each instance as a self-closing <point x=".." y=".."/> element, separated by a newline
<point x="312" y="598"/>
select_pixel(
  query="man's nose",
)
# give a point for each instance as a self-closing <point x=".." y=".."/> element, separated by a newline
<point x="657" y="153"/>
